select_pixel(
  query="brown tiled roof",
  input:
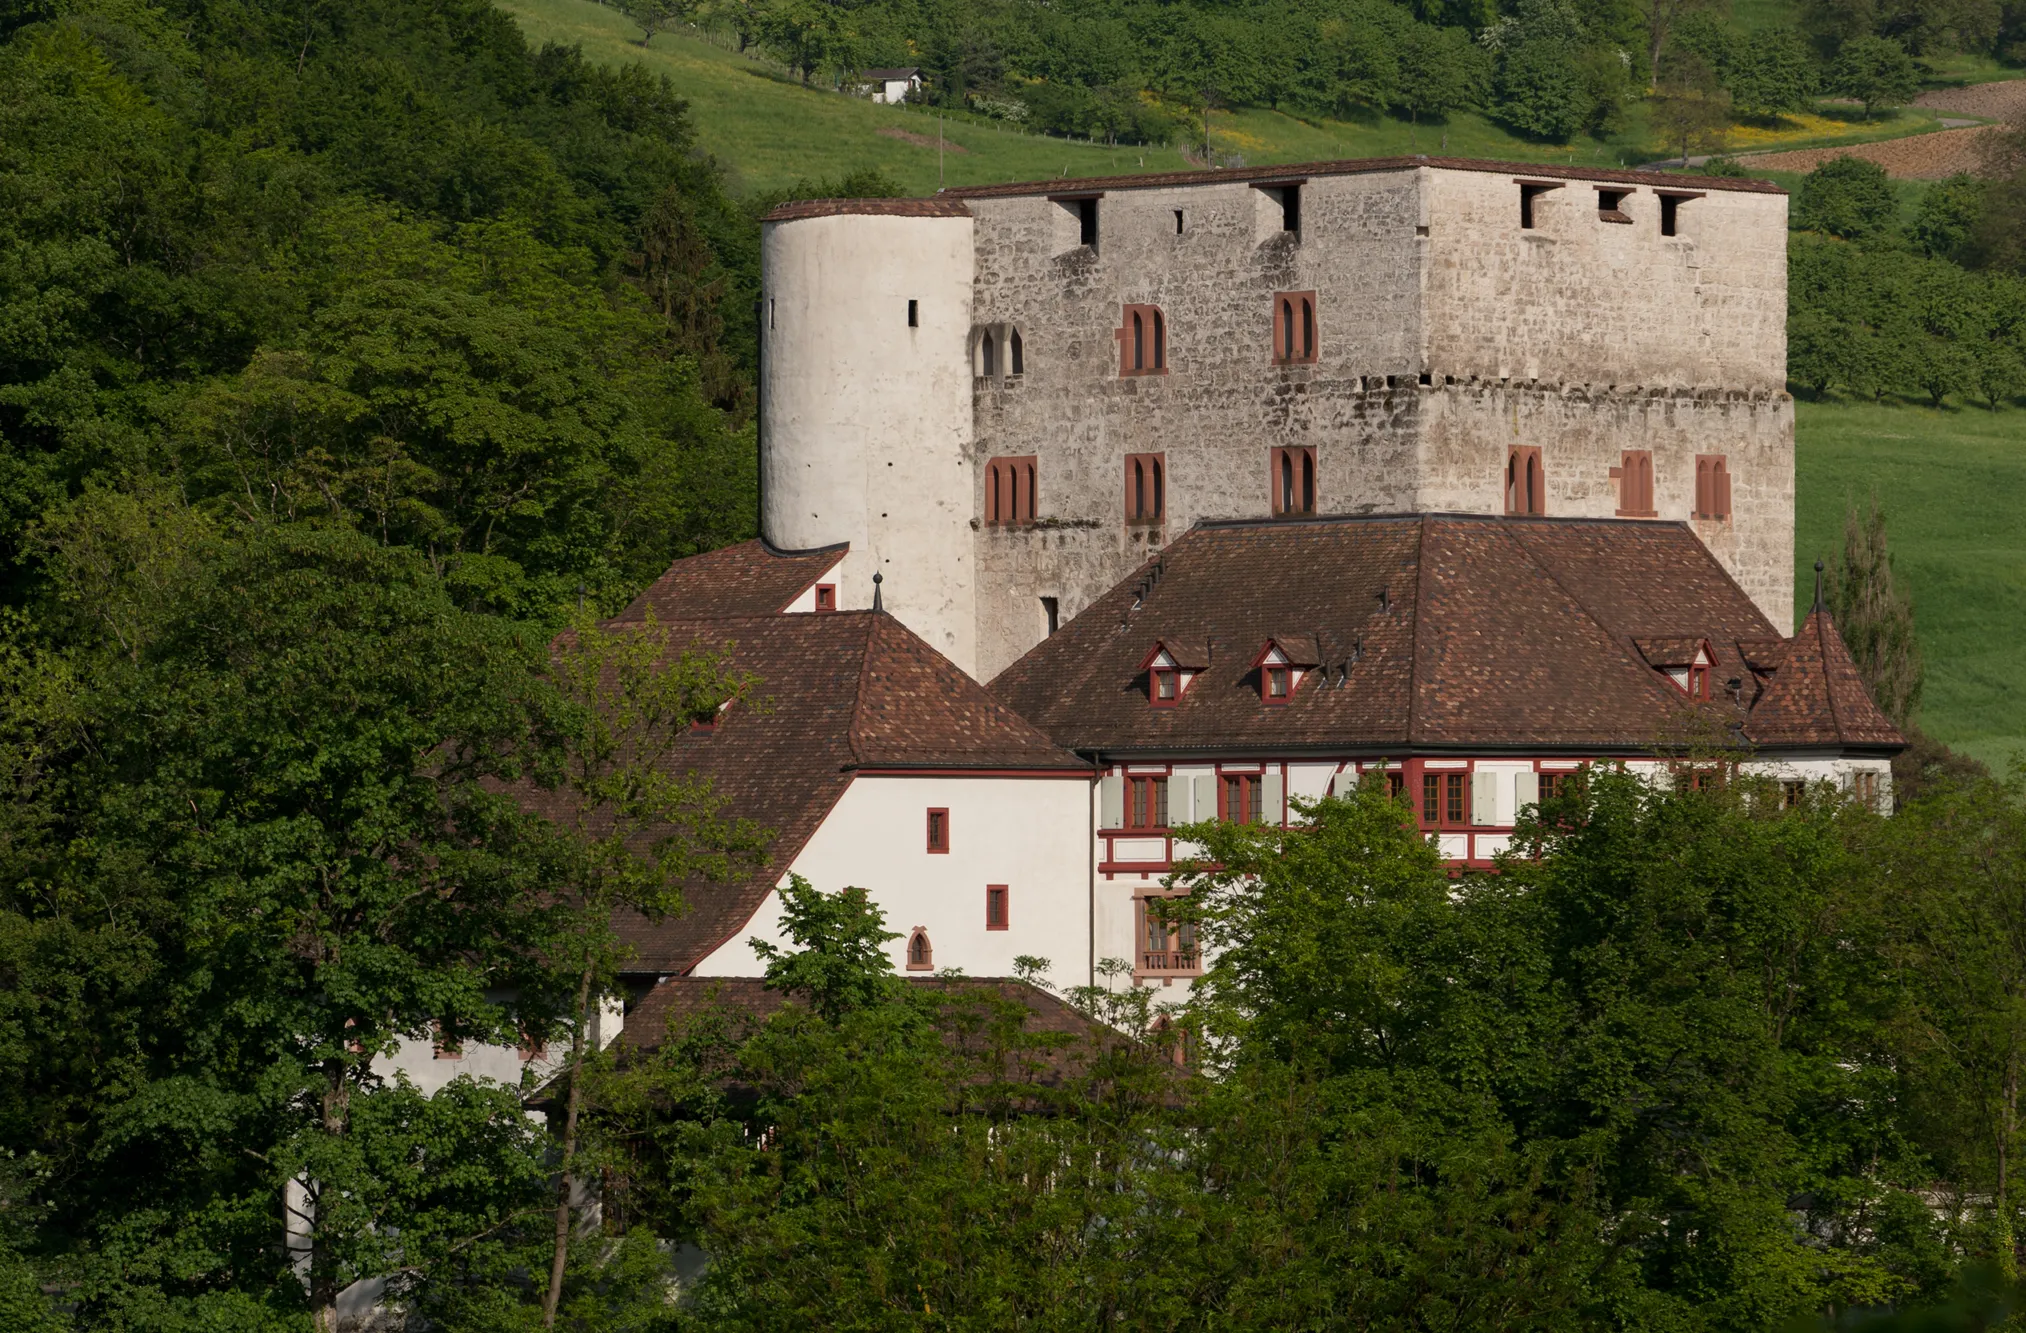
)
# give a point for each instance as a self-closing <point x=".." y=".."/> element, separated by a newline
<point x="675" y="1004"/>
<point x="1678" y="651"/>
<point x="749" y="579"/>
<point x="1816" y="697"/>
<point x="934" y="207"/>
<point x="1353" y="166"/>
<point x="837" y="693"/>
<point x="1434" y="632"/>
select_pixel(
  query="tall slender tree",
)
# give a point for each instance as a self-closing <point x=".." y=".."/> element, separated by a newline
<point x="1875" y="616"/>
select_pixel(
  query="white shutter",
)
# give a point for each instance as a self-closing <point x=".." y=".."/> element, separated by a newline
<point x="1111" y="801"/>
<point x="1526" y="790"/>
<point x="1344" y="783"/>
<point x="1206" y="796"/>
<point x="1484" y="798"/>
<point x="1270" y="797"/>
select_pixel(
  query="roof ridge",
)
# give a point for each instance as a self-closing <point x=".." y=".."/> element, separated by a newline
<point x="853" y="741"/>
<point x="1645" y="676"/>
<point x="1820" y="617"/>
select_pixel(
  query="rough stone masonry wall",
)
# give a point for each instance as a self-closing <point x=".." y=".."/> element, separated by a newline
<point x="1581" y="432"/>
<point x="1222" y="405"/>
<point x="1582" y="337"/>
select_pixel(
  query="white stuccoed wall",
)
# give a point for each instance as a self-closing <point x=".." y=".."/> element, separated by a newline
<point x="1031" y="834"/>
<point x="868" y="421"/>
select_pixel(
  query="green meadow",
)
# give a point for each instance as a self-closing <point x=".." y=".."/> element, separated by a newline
<point x="1953" y="485"/>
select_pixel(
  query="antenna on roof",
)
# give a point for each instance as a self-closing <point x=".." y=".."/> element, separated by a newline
<point x="1818" y="587"/>
<point x="876" y="581"/>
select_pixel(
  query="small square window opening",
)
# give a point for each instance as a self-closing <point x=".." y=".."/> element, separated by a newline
<point x="826" y="597"/>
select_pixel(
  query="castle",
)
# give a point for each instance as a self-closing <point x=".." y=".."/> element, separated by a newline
<point x="1092" y="510"/>
<point x="1005" y="398"/>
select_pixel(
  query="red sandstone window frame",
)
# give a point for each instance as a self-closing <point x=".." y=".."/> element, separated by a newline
<point x="1291" y="480"/>
<point x="1712" y="487"/>
<point x="1526" y="482"/>
<point x="1011" y="491"/>
<point x="1164" y="687"/>
<point x="921" y="954"/>
<point x="1146" y="479"/>
<point x="1143" y="342"/>
<point x="1634" y="475"/>
<point x="1295" y="340"/>
<point x="998" y="907"/>
<point x="938" y="830"/>
<point x="826" y="597"/>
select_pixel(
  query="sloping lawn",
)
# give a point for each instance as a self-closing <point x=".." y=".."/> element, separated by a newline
<point x="1953" y="484"/>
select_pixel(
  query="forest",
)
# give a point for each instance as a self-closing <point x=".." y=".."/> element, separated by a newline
<point x="350" y="354"/>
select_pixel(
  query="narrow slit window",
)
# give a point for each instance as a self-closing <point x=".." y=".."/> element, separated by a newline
<point x="1178" y="222"/>
<point x="1292" y="478"/>
<point x="1017" y="354"/>
<point x="1086" y="217"/>
<point x="939" y="830"/>
<point x="1011" y="486"/>
<point x="914" y="314"/>
<point x="1051" y="613"/>
<point x="1525" y="482"/>
<point x="1143" y="341"/>
<point x="1145" y="489"/>
<point x="997" y="915"/>
<point x="988" y="356"/>
<point x="1294" y="328"/>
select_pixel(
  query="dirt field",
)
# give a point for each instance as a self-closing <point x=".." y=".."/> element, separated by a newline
<point x="1921" y="157"/>
<point x="1996" y="101"/>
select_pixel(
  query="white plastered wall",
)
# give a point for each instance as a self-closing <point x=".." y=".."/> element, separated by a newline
<point x="866" y="419"/>
<point x="1030" y="834"/>
<point x="805" y="602"/>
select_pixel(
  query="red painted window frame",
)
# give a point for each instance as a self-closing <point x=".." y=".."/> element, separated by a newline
<point x="928" y="951"/>
<point x="1143" y="350"/>
<point x="1712" y="486"/>
<point x="1253" y="789"/>
<point x="1156" y="788"/>
<point x="1154" y="677"/>
<point x="1011" y="491"/>
<point x="1698" y="681"/>
<point x="1152" y="475"/>
<point x="1000" y="897"/>
<point x="938" y="830"/>
<point x="1174" y="948"/>
<point x="1291" y="477"/>
<point x="1297" y="340"/>
<point x="1635" y="484"/>
<point x="826" y="597"/>
<point x="1267" y="672"/>
<point x="1450" y="792"/>
<point x="1526" y="481"/>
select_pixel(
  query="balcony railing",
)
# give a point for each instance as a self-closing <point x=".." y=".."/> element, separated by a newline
<point x="1169" y="960"/>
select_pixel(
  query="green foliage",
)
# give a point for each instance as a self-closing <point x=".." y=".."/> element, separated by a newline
<point x="840" y="962"/>
<point x="1876" y="71"/>
<point x="1848" y="197"/>
<point x="1875" y="616"/>
<point x="1946" y="222"/>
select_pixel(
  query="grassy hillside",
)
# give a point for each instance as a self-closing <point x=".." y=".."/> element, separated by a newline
<point x="1953" y="482"/>
<point x="774" y="132"/>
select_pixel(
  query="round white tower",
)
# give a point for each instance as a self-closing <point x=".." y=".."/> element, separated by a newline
<point x="865" y="403"/>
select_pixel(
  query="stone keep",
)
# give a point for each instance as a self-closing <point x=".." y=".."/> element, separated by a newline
<point x="1636" y="312"/>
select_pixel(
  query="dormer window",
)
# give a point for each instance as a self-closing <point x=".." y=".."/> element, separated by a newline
<point x="1170" y="667"/>
<point x="1698" y="681"/>
<point x="1689" y="663"/>
<point x="1281" y="666"/>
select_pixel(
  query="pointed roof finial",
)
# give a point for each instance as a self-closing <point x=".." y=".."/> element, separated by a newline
<point x="1818" y="587"/>
<point x="877" y="580"/>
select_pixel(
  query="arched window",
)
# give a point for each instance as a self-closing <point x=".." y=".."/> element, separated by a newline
<point x="1146" y="490"/>
<point x="1011" y="491"/>
<point x="988" y="358"/>
<point x="1291" y="481"/>
<point x="1143" y="341"/>
<point x="1294" y="328"/>
<point x="1019" y="366"/>
<point x="1635" y="483"/>
<point x="1712" y="486"/>
<point x="1525" y="483"/>
<point x="920" y="955"/>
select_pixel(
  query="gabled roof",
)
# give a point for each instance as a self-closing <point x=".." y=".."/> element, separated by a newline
<point x="906" y="73"/>
<point x="1186" y="654"/>
<point x="1676" y="651"/>
<point x="750" y="579"/>
<point x="1432" y="632"/>
<point x="1817" y="696"/>
<point x="837" y="694"/>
